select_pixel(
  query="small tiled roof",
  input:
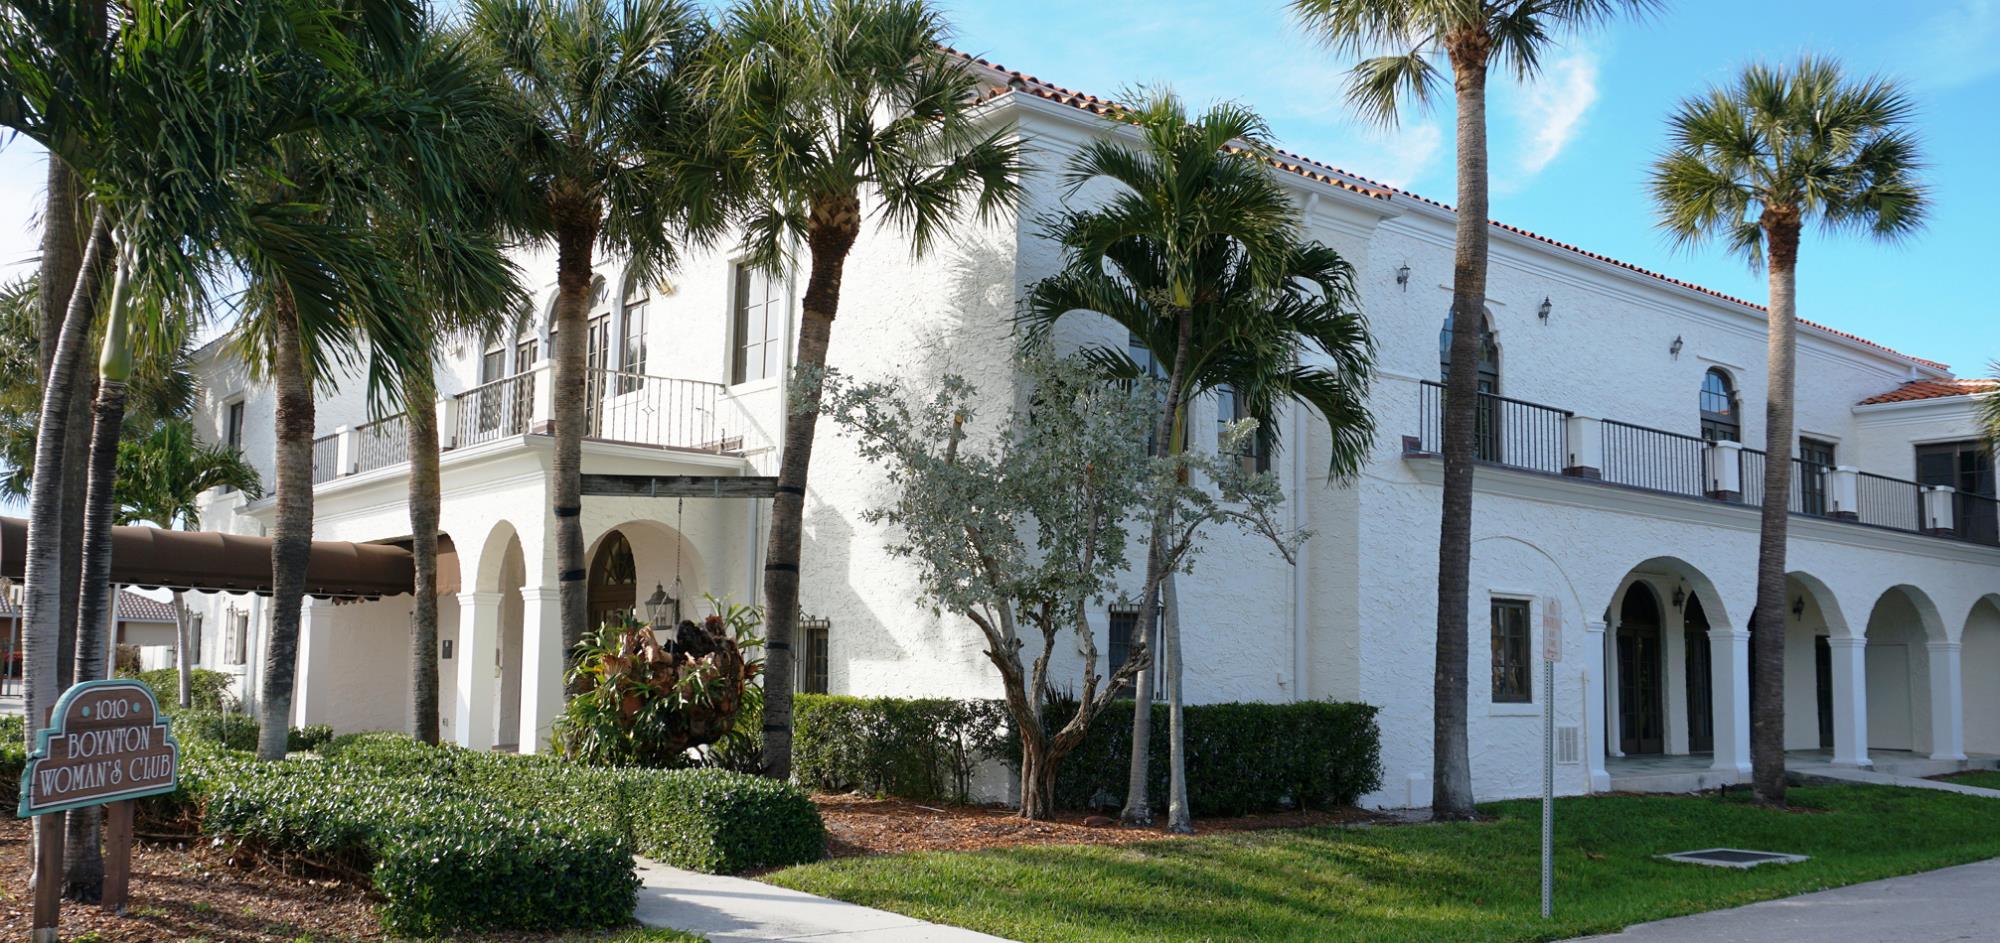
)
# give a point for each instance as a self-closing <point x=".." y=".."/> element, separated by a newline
<point x="132" y="607"/>
<point x="1008" y="80"/>
<point x="1932" y="389"/>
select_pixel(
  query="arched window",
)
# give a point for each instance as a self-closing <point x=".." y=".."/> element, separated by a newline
<point x="613" y="589"/>
<point x="1488" y="430"/>
<point x="1720" y="412"/>
<point x="632" y="345"/>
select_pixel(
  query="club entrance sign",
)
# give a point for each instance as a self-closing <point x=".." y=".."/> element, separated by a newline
<point x="105" y="744"/>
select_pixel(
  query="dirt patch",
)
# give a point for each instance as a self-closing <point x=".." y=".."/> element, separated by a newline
<point x="858" y="825"/>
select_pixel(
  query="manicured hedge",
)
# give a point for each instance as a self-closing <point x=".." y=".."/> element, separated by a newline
<point x="914" y="748"/>
<point x="13" y="759"/>
<point x="234" y="731"/>
<point x="207" y="690"/>
<point x="1241" y="758"/>
<point x="722" y="822"/>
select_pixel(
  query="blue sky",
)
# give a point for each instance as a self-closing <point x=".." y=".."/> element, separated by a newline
<point x="1569" y="151"/>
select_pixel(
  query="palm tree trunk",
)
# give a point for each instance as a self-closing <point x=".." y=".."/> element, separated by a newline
<point x="83" y="866"/>
<point x="420" y="395"/>
<point x="183" y="653"/>
<point x="41" y="605"/>
<point x="834" y="225"/>
<point x="1767" y="620"/>
<point x="573" y="274"/>
<point x="1138" y="776"/>
<point x="292" y="527"/>
<point x="1180" y="818"/>
<point x="1451" y="761"/>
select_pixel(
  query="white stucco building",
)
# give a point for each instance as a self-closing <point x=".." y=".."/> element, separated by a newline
<point x="1616" y="502"/>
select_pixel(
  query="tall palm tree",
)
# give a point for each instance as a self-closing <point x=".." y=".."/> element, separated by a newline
<point x="612" y="147"/>
<point x="1471" y="37"/>
<point x="1753" y="163"/>
<point x="820" y="102"/>
<point x="1198" y="255"/>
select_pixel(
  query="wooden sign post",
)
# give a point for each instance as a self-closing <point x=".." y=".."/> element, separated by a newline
<point x="105" y="744"/>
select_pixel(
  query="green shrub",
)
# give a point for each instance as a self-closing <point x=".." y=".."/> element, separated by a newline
<point x="308" y="737"/>
<point x="1241" y="758"/>
<point x="722" y="822"/>
<point x="13" y="759"/>
<point x="914" y="748"/>
<point x="208" y="690"/>
<point x="231" y="731"/>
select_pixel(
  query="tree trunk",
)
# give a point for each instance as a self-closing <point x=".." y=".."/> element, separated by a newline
<point x="834" y="225"/>
<point x="1138" y="800"/>
<point x="41" y="604"/>
<point x="1767" y="620"/>
<point x="183" y="652"/>
<point x="420" y="397"/>
<point x="1451" y="772"/>
<point x="291" y="528"/>
<point x="573" y="273"/>
<point x="83" y="866"/>
<point x="62" y="257"/>
<point x="1180" y="818"/>
<point x="1037" y="774"/>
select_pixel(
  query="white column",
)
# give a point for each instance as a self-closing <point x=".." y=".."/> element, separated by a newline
<point x="1610" y="663"/>
<point x="1725" y="470"/>
<point x="347" y="450"/>
<point x="1843" y="492"/>
<point x="1598" y="735"/>
<point x="544" y="402"/>
<point x="1937" y="503"/>
<point x="1585" y="437"/>
<point x="1850" y="700"/>
<point x="302" y="686"/>
<point x="541" y="665"/>
<point x="478" y="646"/>
<point x="1947" y="703"/>
<point x="1729" y="662"/>
<point x="447" y="422"/>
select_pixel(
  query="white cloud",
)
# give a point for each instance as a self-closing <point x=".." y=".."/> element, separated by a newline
<point x="1955" y="45"/>
<point x="1551" y="110"/>
<point x="23" y="178"/>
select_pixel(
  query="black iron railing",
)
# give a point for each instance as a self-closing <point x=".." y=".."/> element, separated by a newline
<point x="1654" y="459"/>
<point x="1889" y="502"/>
<point x="1976" y="517"/>
<point x="1510" y="432"/>
<point x="326" y="459"/>
<point x="495" y="410"/>
<point x="381" y="444"/>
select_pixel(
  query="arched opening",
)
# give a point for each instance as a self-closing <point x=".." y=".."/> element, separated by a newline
<point x="1979" y="677"/>
<point x="614" y="581"/>
<point x="1698" y="657"/>
<point x="632" y="559"/>
<point x="1642" y="710"/>
<point x="1811" y="618"/>
<point x="1897" y="665"/>
<point x="1660" y="690"/>
<point x="1721" y="411"/>
<point x="1488" y="428"/>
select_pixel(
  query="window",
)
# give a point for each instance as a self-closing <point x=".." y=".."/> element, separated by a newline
<point x="492" y="365"/>
<point x="232" y="432"/>
<point x="1486" y="429"/>
<point x="757" y="327"/>
<point x="1123" y="618"/>
<point x="1512" y="683"/>
<point x="1968" y="468"/>
<point x="632" y="351"/>
<point x="237" y="646"/>
<point x="1720" y="412"/>
<point x="812" y="667"/>
<point x="194" y="639"/>
<point x="1815" y="460"/>
<point x="1254" y="455"/>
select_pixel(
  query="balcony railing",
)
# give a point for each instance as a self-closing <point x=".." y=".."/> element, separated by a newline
<point x="662" y="411"/>
<point x="326" y="459"/>
<point x="495" y="410"/>
<point x="1536" y="437"/>
<point x="381" y="444"/>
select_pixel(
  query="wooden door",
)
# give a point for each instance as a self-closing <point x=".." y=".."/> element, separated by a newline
<point x="1641" y="702"/>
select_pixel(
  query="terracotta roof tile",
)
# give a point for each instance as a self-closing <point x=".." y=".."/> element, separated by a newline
<point x="1932" y="389"/>
<point x="1008" y="80"/>
<point x="132" y="607"/>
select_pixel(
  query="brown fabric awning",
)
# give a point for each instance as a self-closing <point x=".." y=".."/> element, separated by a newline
<point x="236" y="563"/>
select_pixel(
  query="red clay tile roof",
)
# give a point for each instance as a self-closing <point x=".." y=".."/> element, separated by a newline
<point x="132" y="607"/>
<point x="1932" y="389"/>
<point x="1008" y="80"/>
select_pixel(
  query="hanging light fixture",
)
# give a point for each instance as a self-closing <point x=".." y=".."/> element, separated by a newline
<point x="659" y="605"/>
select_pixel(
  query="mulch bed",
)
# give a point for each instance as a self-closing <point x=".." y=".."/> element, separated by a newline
<point x="857" y="825"/>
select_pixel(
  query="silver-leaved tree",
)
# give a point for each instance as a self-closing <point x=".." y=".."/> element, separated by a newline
<point x="1021" y="527"/>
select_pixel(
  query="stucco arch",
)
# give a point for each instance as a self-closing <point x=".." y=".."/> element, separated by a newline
<point x="501" y="541"/>
<point x="1901" y="627"/>
<point x="1821" y="601"/>
<point x="1979" y="675"/>
<point x="660" y="554"/>
<point x="1929" y="619"/>
<point x="1720" y="613"/>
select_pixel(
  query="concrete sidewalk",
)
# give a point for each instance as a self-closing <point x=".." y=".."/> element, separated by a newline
<point x="1948" y="906"/>
<point x="1873" y="778"/>
<point x="737" y="910"/>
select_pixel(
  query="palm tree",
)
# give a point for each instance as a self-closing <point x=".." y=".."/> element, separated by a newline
<point x="162" y="470"/>
<point x="822" y="101"/>
<point x="1198" y="256"/>
<point x="1470" y="37"/>
<point x="1753" y="163"/>
<point x="613" y="151"/>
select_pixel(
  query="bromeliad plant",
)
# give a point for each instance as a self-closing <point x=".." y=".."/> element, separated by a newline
<point x="644" y="700"/>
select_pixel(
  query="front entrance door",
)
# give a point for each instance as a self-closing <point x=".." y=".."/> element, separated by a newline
<point x="1700" y="680"/>
<point x="614" y="583"/>
<point x="1641" y="706"/>
<point x="1823" y="680"/>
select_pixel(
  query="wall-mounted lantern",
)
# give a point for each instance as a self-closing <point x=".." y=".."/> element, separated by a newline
<point x="1403" y="277"/>
<point x="1543" y="311"/>
<point x="1674" y="349"/>
<point x="1799" y="607"/>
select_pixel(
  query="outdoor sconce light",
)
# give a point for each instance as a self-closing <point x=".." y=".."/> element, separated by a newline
<point x="1403" y="277"/>
<point x="1543" y="311"/>
<point x="1680" y="596"/>
<point x="1799" y="607"/>
<point x="1674" y="349"/>
<point x="660" y="605"/>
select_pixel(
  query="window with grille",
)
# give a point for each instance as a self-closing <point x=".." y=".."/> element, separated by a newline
<point x="1511" y="681"/>
<point x="232" y="432"/>
<point x="1816" y="458"/>
<point x="1720" y="411"/>
<point x="632" y="351"/>
<point x="757" y="327"/>
<point x="813" y="661"/>
<point x="1118" y="646"/>
<point x="1254" y="453"/>
<point x="239" y="638"/>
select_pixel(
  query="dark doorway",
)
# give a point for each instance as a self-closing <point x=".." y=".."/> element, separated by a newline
<point x="1823" y="681"/>
<point x="614" y="582"/>
<point x="1700" y="680"/>
<point x="1641" y="705"/>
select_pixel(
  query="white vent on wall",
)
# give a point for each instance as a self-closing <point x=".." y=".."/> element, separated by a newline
<point x="1569" y="745"/>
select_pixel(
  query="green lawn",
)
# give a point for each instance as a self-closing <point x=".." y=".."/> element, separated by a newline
<point x="1476" y="881"/>
<point x="1984" y="779"/>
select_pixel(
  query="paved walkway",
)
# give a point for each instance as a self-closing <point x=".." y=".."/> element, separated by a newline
<point x="736" y="910"/>
<point x="1874" y="778"/>
<point x="1948" y="906"/>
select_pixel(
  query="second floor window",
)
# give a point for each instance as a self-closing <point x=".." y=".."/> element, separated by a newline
<point x="632" y="352"/>
<point x="1720" y="411"/>
<point x="232" y="426"/>
<point x="1254" y="454"/>
<point x="1815" y="459"/>
<point x="757" y="327"/>
<point x="1511" y="674"/>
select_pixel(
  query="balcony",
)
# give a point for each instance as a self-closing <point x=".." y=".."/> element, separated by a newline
<point x="623" y="408"/>
<point x="1533" y="437"/>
